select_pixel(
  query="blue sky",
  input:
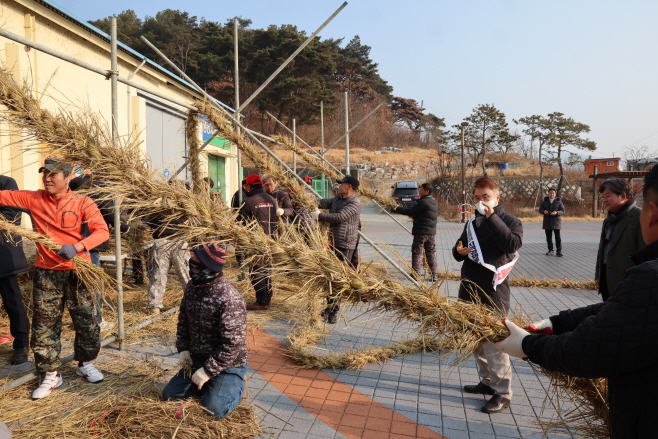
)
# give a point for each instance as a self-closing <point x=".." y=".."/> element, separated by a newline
<point x="592" y="60"/>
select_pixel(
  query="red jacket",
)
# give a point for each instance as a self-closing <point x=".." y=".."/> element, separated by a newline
<point x="60" y="220"/>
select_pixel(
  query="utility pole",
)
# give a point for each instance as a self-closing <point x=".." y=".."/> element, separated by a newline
<point x="237" y="104"/>
<point x="464" y="125"/>
<point x="347" y="139"/>
<point x="322" y="137"/>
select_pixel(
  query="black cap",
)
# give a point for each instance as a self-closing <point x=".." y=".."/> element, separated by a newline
<point x="56" y="165"/>
<point x="351" y="180"/>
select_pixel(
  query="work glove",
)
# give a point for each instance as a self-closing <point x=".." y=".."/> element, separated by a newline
<point x="543" y="326"/>
<point x="67" y="251"/>
<point x="279" y="212"/>
<point x="513" y="345"/>
<point x="393" y="209"/>
<point x="185" y="355"/>
<point x="200" y="377"/>
<point x="315" y="214"/>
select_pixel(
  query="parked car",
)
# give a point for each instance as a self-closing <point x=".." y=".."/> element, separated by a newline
<point x="405" y="193"/>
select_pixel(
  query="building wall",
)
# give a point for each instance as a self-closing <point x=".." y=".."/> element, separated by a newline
<point x="64" y="85"/>
<point x="603" y="165"/>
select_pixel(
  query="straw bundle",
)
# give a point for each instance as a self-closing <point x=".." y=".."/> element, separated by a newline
<point x="459" y="327"/>
<point x="194" y="153"/>
<point x="322" y="167"/>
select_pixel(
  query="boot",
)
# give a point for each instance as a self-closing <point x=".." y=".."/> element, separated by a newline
<point x="20" y="355"/>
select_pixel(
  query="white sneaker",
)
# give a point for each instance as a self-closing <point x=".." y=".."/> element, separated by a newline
<point x="52" y="381"/>
<point x="90" y="372"/>
<point x="106" y="326"/>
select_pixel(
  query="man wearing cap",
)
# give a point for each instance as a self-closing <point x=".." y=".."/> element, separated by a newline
<point x="211" y="336"/>
<point x="235" y="201"/>
<point x="344" y="218"/>
<point x="283" y="204"/>
<point x="260" y="206"/>
<point x="58" y="213"/>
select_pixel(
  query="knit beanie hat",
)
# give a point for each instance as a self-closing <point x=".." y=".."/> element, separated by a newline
<point x="211" y="255"/>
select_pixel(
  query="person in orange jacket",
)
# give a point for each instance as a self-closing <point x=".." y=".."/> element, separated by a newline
<point x="58" y="213"/>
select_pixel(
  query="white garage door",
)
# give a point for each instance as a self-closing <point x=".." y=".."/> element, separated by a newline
<point x="166" y="143"/>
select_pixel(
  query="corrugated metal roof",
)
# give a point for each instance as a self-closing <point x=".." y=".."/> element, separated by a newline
<point x="99" y="33"/>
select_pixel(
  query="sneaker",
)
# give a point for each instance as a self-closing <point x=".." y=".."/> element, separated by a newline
<point x="559" y="254"/>
<point x="333" y="317"/>
<point x="51" y="381"/>
<point x="90" y="372"/>
<point x="20" y="355"/>
<point x="106" y="326"/>
<point x="550" y="253"/>
<point x="154" y="311"/>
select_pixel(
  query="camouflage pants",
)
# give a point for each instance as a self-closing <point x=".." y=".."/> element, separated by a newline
<point x="52" y="291"/>
<point x="163" y="255"/>
<point x="428" y="243"/>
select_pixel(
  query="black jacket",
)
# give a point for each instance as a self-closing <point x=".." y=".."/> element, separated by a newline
<point x="618" y="340"/>
<point x="12" y="256"/>
<point x="235" y="202"/>
<point x="425" y="213"/>
<point x="552" y="222"/>
<point x="105" y="205"/>
<point x="261" y="206"/>
<point x="500" y="236"/>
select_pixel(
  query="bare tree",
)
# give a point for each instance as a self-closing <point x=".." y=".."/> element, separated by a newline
<point x="636" y="155"/>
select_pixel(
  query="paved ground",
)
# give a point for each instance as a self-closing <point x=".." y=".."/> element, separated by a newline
<point x="579" y="242"/>
<point x="417" y="395"/>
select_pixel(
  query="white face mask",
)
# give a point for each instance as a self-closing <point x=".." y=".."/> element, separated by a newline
<point x="480" y="206"/>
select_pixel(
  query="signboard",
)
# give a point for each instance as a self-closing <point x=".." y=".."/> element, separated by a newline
<point x="207" y="131"/>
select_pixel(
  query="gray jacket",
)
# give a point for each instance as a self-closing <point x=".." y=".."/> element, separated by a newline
<point x="344" y="217"/>
<point x="627" y="239"/>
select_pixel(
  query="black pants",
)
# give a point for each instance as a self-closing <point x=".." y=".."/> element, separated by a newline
<point x="138" y="268"/>
<point x="558" y="240"/>
<point x="19" y="323"/>
<point x="262" y="283"/>
<point x="343" y="255"/>
<point x="354" y="260"/>
<point x="603" y="284"/>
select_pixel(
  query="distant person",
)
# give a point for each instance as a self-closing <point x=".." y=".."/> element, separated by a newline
<point x="344" y="218"/>
<point x="621" y="235"/>
<point x="552" y="209"/>
<point x="335" y="189"/>
<point x="492" y="240"/>
<point x="424" y="213"/>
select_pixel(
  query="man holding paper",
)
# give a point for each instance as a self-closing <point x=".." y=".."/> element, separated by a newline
<point x="488" y="247"/>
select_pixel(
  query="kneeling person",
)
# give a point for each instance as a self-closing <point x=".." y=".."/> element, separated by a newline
<point x="211" y="335"/>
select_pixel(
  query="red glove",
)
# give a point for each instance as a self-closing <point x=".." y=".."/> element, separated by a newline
<point x="543" y="326"/>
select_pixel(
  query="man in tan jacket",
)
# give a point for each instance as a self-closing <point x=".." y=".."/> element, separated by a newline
<point x="621" y="235"/>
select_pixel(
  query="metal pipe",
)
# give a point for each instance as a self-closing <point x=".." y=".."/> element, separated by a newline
<point x="595" y="200"/>
<point x="90" y="67"/>
<point x="290" y="131"/>
<point x="35" y="374"/>
<point x="347" y="138"/>
<point x="324" y="189"/>
<point x="237" y="103"/>
<point x="294" y="143"/>
<point x="354" y="126"/>
<point x="117" y="202"/>
<point x="290" y="58"/>
<point x="463" y="219"/>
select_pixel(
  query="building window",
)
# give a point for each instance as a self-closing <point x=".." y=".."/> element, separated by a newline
<point x="611" y="163"/>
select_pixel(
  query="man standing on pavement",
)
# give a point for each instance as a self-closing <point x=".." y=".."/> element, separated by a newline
<point x="424" y="213"/>
<point x="344" y="217"/>
<point x="616" y="339"/>
<point x="211" y="336"/>
<point x="260" y="206"/>
<point x="621" y="235"/>
<point x="493" y="238"/>
<point x="283" y="204"/>
<point x="13" y="262"/>
<point x="58" y="213"/>
<point x="552" y="209"/>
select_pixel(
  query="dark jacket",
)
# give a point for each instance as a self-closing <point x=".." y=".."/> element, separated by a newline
<point x="235" y="202"/>
<point x="283" y="201"/>
<point x="261" y="206"/>
<point x="212" y="325"/>
<point x="500" y="236"/>
<point x="627" y="239"/>
<point x="105" y="205"/>
<point x="425" y="212"/>
<point x="552" y="222"/>
<point x="12" y="256"/>
<point x="617" y="340"/>
<point x="344" y="217"/>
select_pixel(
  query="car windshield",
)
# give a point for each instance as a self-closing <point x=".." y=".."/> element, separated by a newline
<point x="406" y="191"/>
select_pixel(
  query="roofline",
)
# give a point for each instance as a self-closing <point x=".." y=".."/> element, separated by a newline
<point x="99" y="33"/>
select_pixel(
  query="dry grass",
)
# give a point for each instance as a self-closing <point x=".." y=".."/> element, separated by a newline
<point x="530" y="282"/>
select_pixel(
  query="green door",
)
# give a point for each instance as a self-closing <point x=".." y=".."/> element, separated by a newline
<point x="217" y="171"/>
